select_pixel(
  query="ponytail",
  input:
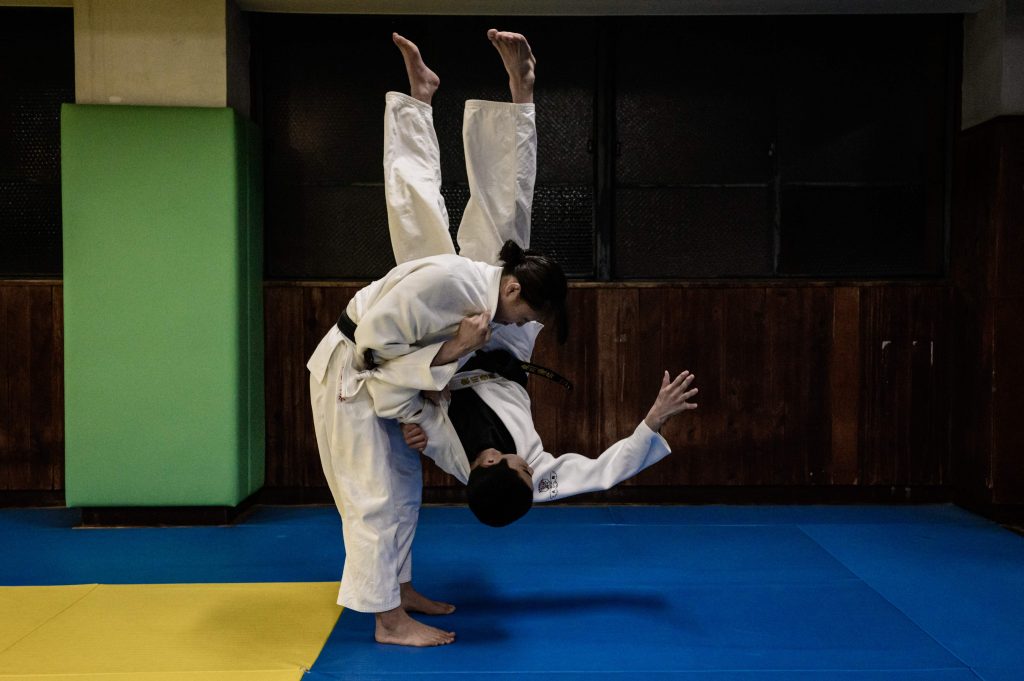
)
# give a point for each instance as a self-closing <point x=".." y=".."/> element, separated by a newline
<point x="542" y="283"/>
<point x="512" y="255"/>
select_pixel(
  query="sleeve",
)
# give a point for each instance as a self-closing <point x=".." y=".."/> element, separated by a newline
<point x="397" y="402"/>
<point x="414" y="370"/>
<point x="571" y="474"/>
<point x="428" y="302"/>
<point x="443" y="445"/>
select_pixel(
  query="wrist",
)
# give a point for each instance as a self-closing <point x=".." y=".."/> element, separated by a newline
<point x="654" y="422"/>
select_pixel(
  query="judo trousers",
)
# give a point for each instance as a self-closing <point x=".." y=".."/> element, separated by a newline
<point x="375" y="479"/>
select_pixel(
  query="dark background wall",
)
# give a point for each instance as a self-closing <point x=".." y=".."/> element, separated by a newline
<point x="792" y="216"/>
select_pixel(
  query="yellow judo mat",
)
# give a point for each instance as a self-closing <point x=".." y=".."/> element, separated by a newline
<point x="164" y="632"/>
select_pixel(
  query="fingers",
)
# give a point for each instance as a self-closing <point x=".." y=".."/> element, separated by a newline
<point x="474" y="331"/>
<point x="414" y="436"/>
<point x="684" y="377"/>
<point x="682" y="381"/>
<point x="675" y="396"/>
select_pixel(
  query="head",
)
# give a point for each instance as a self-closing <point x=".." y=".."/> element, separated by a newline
<point x="533" y="288"/>
<point x="500" y="488"/>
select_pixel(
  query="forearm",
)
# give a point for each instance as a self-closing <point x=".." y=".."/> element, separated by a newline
<point x="451" y="351"/>
<point x="578" y="474"/>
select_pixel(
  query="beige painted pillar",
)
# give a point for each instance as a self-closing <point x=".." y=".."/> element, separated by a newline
<point x="161" y="53"/>
<point x="993" y="82"/>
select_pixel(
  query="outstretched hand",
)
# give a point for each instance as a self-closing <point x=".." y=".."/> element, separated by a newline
<point x="673" y="398"/>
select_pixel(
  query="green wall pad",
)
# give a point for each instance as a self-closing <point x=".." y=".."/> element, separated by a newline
<point x="163" y="335"/>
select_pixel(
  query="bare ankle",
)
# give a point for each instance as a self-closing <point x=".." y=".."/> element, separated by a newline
<point x="392" y="619"/>
<point x="423" y="82"/>
<point x="522" y="92"/>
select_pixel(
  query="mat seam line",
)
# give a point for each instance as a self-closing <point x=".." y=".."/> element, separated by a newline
<point x="772" y="670"/>
<point x="886" y="599"/>
<point x="51" y="618"/>
<point x="298" y="668"/>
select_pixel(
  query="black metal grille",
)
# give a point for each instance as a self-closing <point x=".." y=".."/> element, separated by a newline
<point x="37" y="47"/>
<point x="694" y="101"/>
<point x="692" y="232"/>
<point x="322" y="110"/>
<point x="320" y="232"/>
<point x="740" y="146"/>
<point x="856" y="231"/>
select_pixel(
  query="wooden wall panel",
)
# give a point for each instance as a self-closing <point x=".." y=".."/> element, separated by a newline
<point x="784" y="401"/>
<point x="905" y="414"/>
<point x="296" y="317"/>
<point x="1008" y="402"/>
<point x="802" y="384"/>
<point x="1008" y="321"/>
<point x="32" y="387"/>
<point x="987" y="247"/>
<point x="844" y="386"/>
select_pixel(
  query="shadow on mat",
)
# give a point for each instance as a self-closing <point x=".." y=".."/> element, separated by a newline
<point x="539" y="602"/>
<point x="480" y="596"/>
<point x="482" y="609"/>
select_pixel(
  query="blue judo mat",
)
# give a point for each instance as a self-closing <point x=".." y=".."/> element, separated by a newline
<point x="707" y="592"/>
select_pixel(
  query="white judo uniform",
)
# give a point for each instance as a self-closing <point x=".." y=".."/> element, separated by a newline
<point x="403" y="318"/>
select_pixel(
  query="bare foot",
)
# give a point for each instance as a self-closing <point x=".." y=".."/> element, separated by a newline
<point x="423" y="82"/>
<point x="396" y="627"/>
<point x="519" y="62"/>
<point x="414" y="601"/>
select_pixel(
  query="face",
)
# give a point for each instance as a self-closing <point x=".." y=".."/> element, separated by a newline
<point x="512" y="309"/>
<point x="490" y="457"/>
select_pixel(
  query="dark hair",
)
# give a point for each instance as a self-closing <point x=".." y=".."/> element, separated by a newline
<point x="542" y="283"/>
<point x="497" y="496"/>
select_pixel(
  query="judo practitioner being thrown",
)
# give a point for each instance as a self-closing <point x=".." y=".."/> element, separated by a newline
<point x="487" y="438"/>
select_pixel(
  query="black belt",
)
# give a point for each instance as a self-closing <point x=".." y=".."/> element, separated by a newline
<point x="348" y="329"/>
<point x="502" y="362"/>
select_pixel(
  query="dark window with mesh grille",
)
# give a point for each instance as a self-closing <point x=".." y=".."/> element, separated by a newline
<point x="37" y="76"/>
<point x="738" y="146"/>
<point x="321" y="101"/>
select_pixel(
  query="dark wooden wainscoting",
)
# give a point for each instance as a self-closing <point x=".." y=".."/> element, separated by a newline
<point x="988" y="310"/>
<point x="804" y="386"/>
<point x="31" y="392"/>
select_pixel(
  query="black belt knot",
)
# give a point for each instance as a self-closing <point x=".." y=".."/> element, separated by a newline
<point x="348" y="329"/>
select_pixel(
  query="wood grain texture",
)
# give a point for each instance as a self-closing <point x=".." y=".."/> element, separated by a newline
<point x="799" y="387"/>
<point x="1008" y="318"/>
<point x="32" y="386"/>
<point x="784" y="402"/>
<point x="844" y="386"/>
<point x="987" y="247"/>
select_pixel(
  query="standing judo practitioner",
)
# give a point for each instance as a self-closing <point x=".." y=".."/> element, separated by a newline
<point x="398" y="336"/>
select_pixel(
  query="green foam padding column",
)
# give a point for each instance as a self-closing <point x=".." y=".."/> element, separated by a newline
<point x="163" y="326"/>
